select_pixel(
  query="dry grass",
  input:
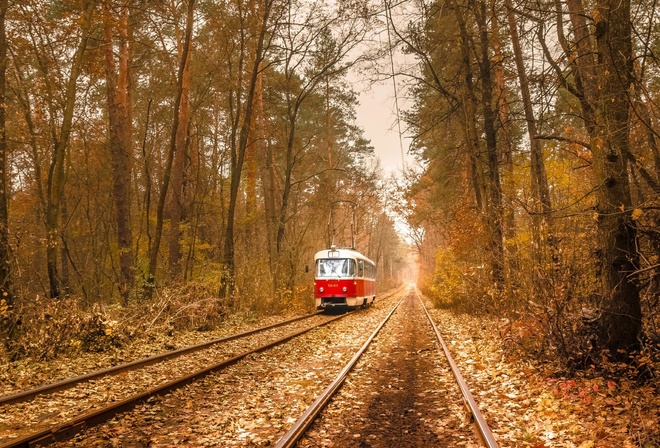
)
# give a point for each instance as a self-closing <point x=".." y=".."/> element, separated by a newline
<point x="44" y="329"/>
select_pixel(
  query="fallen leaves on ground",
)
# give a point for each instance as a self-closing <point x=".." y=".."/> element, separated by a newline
<point x="528" y="405"/>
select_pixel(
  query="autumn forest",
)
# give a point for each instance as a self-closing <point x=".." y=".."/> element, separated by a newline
<point x="154" y="144"/>
<point x="169" y="165"/>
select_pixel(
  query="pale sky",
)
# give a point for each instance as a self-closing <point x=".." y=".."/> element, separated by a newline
<point x="376" y="114"/>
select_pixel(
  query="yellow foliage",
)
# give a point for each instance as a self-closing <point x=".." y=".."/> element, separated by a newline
<point x="637" y="213"/>
<point x="456" y="282"/>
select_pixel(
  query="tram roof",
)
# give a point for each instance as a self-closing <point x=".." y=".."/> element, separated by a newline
<point x="341" y="253"/>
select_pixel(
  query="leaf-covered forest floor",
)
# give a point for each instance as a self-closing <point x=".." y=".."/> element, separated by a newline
<point x="535" y="404"/>
<point x="30" y="373"/>
<point x="526" y="402"/>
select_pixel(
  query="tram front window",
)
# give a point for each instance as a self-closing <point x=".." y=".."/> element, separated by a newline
<point x="335" y="267"/>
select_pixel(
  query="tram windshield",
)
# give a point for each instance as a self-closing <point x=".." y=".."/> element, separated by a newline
<point x="335" y="267"/>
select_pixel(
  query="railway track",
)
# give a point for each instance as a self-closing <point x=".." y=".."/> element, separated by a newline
<point x="407" y="434"/>
<point x="68" y="383"/>
<point x="67" y="429"/>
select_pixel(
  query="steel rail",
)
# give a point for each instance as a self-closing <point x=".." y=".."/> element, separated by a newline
<point x="68" y="429"/>
<point x="301" y="425"/>
<point x="68" y="383"/>
<point x="484" y="431"/>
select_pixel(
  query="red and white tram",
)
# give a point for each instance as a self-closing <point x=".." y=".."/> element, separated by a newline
<point x="343" y="278"/>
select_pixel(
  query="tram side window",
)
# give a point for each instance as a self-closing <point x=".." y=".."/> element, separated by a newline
<point x="372" y="271"/>
<point x="360" y="268"/>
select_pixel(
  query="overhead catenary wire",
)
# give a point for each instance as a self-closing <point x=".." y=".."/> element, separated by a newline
<point x="388" y="19"/>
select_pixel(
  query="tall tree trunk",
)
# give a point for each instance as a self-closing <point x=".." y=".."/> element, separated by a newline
<point x="23" y="97"/>
<point x="603" y="76"/>
<point x="251" y="151"/>
<point x="5" y="264"/>
<point x="177" y="197"/>
<point x="288" y="176"/>
<point x="583" y="60"/>
<point x="620" y="323"/>
<point x="227" y="287"/>
<point x="119" y="143"/>
<point x="469" y="109"/>
<point x="329" y="183"/>
<point x="65" y="278"/>
<point x="251" y="185"/>
<point x="506" y="137"/>
<point x="494" y="212"/>
<point x="158" y="233"/>
<point x="192" y="211"/>
<point x="540" y="189"/>
<point x="56" y="174"/>
<point x="265" y="151"/>
<point x="146" y="212"/>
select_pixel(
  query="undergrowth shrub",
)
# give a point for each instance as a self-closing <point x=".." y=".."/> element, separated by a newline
<point x="45" y="329"/>
<point x="548" y="315"/>
<point x="548" y="305"/>
<point x="194" y="306"/>
<point x="461" y="286"/>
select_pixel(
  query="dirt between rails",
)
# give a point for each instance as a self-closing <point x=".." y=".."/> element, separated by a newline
<point x="401" y="394"/>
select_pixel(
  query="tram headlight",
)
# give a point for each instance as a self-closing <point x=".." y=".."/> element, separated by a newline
<point x="321" y="289"/>
<point x="344" y="289"/>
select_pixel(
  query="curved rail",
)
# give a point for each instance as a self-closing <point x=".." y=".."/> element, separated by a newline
<point x="71" y="382"/>
<point x="484" y="431"/>
<point x="301" y="425"/>
<point x="68" y="429"/>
